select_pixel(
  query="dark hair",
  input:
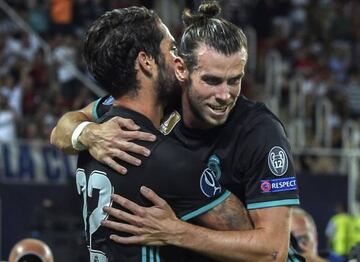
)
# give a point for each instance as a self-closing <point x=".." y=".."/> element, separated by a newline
<point x="207" y="27"/>
<point x="113" y="43"/>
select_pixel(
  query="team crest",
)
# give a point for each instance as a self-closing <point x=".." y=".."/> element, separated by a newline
<point x="209" y="180"/>
<point x="168" y="125"/>
<point x="278" y="161"/>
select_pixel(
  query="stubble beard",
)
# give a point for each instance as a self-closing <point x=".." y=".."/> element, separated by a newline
<point x="168" y="88"/>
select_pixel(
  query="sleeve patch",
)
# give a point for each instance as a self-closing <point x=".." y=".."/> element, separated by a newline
<point x="278" y="185"/>
<point x="278" y="161"/>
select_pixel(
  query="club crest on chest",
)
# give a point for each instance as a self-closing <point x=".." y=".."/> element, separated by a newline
<point x="209" y="180"/>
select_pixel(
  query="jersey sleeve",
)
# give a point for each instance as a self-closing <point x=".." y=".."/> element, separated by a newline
<point x="101" y="106"/>
<point x="269" y="173"/>
<point x="189" y="186"/>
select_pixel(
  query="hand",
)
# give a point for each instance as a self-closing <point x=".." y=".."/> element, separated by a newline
<point x="110" y="140"/>
<point x="154" y="225"/>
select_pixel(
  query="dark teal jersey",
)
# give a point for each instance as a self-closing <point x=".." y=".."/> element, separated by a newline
<point x="172" y="171"/>
<point x="250" y="154"/>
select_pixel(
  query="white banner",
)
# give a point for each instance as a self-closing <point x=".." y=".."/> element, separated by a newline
<point x="35" y="163"/>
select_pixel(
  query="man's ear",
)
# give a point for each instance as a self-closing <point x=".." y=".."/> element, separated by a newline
<point x="145" y="63"/>
<point x="181" y="71"/>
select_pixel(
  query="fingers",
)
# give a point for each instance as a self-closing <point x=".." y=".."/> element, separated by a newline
<point x="129" y="205"/>
<point x="125" y="122"/>
<point x="139" y="135"/>
<point x="124" y="216"/>
<point x="124" y="156"/>
<point x="132" y="147"/>
<point x="128" y="240"/>
<point x="133" y="133"/>
<point x="114" y="165"/>
<point x="121" y="227"/>
<point x="153" y="197"/>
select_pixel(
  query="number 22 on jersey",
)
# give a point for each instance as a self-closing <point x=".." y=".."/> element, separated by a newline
<point x="97" y="180"/>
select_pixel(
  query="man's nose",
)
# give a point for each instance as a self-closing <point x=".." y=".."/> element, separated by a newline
<point x="223" y="92"/>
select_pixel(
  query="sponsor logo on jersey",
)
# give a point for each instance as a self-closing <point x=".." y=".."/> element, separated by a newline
<point x="278" y="161"/>
<point x="278" y="185"/>
<point x="168" y="125"/>
<point x="209" y="180"/>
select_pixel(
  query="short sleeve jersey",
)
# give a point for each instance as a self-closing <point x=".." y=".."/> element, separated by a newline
<point x="172" y="171"/>
<point x="250" y="155"/>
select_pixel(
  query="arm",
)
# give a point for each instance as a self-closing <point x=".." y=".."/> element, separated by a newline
<point x="61" y="134"/>
<point x="105" y="142"/>
<point x="158" y="225"/>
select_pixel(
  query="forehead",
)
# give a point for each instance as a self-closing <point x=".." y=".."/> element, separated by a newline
<point x="211" y="61"/>
<point x="168" y="38"/>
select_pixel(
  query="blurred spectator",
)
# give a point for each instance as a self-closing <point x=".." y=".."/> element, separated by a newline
<point x="303" y="228"/>
<point x="12" y="91"/>
<point x="65" y="57"/>
<point x="354" y="237"/>
<point x="338" y="230"/>
<point x="61" y="14"/>
<point x="7" y="121"/>
<point x="37" y="16"/>
<point x="352" y="91"/>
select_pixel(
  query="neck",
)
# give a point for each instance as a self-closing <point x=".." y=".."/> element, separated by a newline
<point x="187" y="114"/>
<point x="144" y="102"/>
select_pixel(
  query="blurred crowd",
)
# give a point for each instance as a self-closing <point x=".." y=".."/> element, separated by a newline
<point x="317" y="40"/>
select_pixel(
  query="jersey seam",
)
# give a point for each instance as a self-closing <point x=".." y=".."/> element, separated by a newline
<point x="273" y="203"/>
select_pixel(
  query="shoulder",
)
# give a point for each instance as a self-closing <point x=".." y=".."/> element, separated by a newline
<point x="102" y="106"/>
<point x="254" y="117"/>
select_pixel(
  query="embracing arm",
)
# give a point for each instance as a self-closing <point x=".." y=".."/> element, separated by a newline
<point x="106" y="142"/>
<point x="61" y="134"/>
<point x="266" y="240"/>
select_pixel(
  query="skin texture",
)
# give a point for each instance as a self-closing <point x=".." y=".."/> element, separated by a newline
<point x="158" y="225"/>
<point x="106" y="142"/>
<point x="213" y="89"/>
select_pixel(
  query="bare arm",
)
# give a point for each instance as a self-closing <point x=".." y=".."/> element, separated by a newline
<point x="61" y="134"/>
<point x="158" y="225"/>
<point x="106" y="142"/>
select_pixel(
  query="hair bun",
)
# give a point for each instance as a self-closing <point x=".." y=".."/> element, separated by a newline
<point x="206" y="10"/>
<point x="209" y="9"/>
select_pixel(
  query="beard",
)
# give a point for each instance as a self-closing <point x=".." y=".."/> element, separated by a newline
<point x="168" y="87"/>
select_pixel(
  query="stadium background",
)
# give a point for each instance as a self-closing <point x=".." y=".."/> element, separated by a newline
<point x="304" y="60"/>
